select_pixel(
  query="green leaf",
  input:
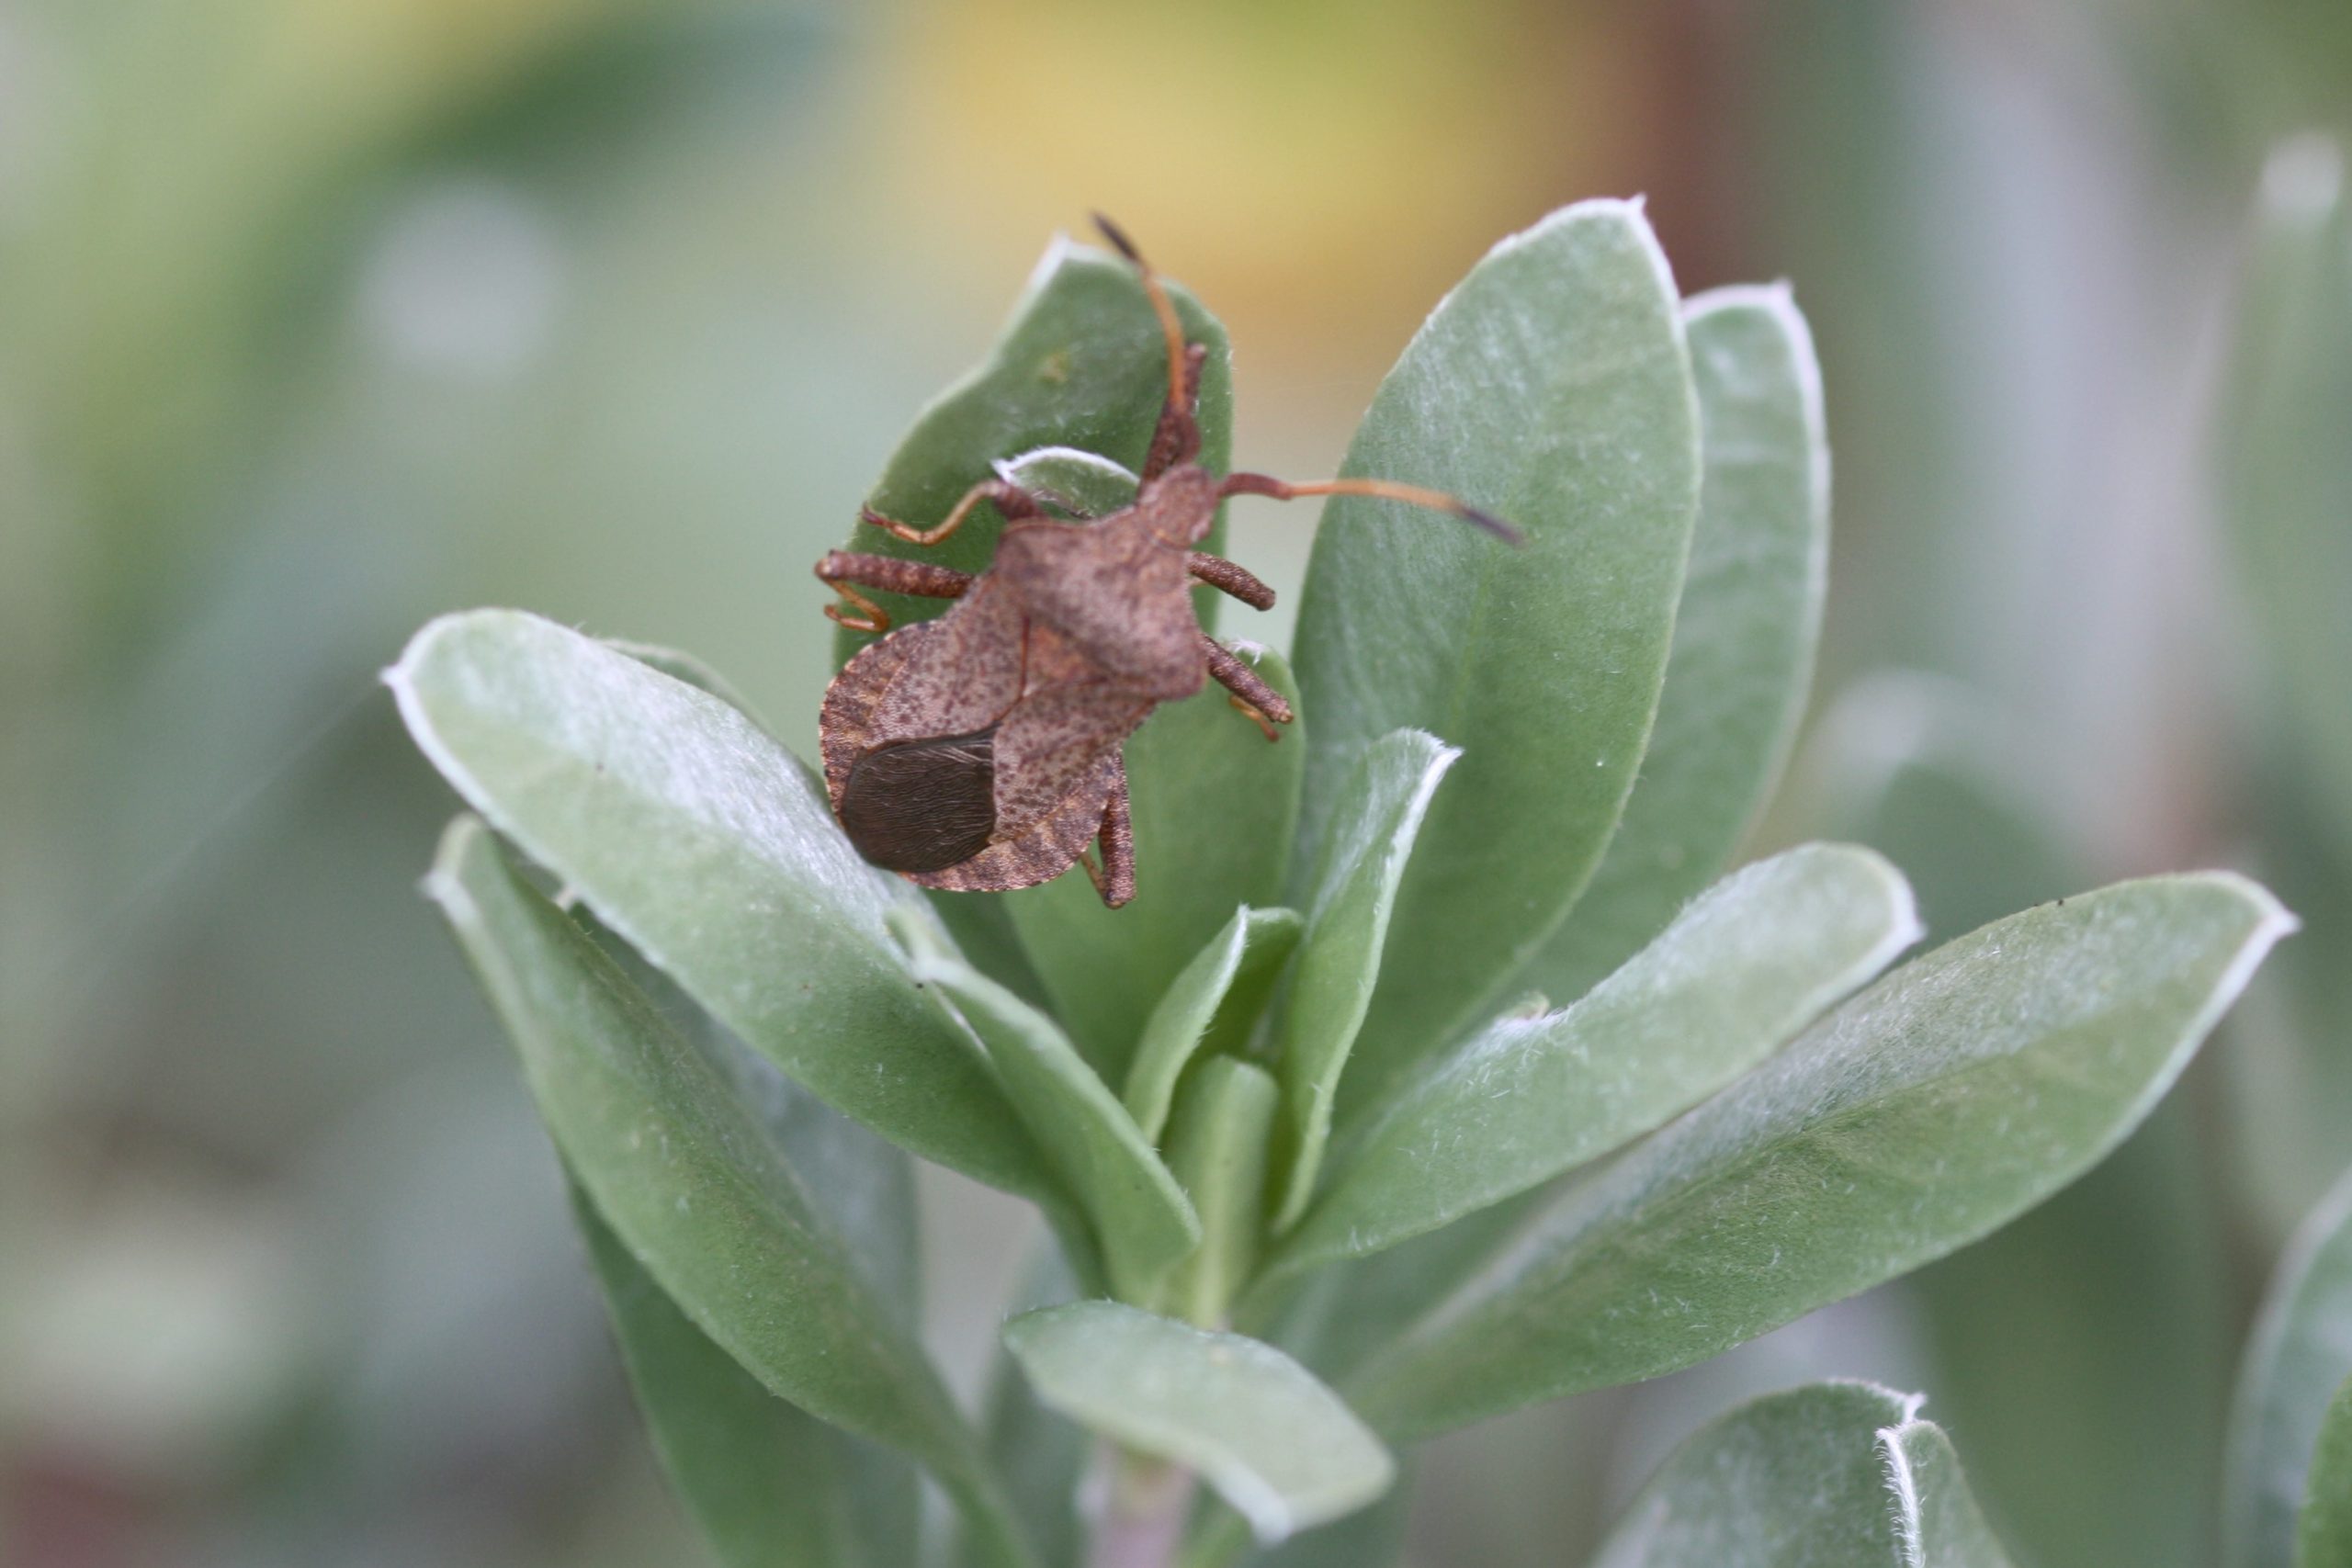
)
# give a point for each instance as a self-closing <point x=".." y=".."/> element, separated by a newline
<point x="1937" y="1514"/>
<point x="2128" y="1324"/>
<point x="708" y="849"/>
<point x="1219" y="992"/>
<point x="1214" y="807"/>
<point x="1272" y="1441"/>
<point x="1941" y="1102"/>
<point x="1829" y="1475"/>
<point x="2299" y="1356"/>
<point x="1370" y="835"/>
<point x="2323" y="1533"/>
<point x="1217" y="1147"/>
<point x="1141" y="1217"/>
<point x="1081" y="364"/>
<point x="2285" y="451"/>
<point x="1551" y="387"/>
<point x="1745" y="967"/>
<point x="1744" y="638"/>
<point x="695" y="1190"/>
<point x="680" y="665"/>
<point x="770" y="1487"/>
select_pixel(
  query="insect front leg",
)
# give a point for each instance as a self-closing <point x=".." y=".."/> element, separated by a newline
<point x="1115" y="878"/>
<point x="1013" y="504"/>
<point x="1260" y="701"/>
<point x="1230" y="577"/>
<point x="917" y="579"/>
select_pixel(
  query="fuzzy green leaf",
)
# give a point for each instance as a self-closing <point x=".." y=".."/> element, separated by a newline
<point x="2127" y="1327"/>
<point x="769" y="1485"/>
<point x="1754" y="960"/>
<point x="1214" y="807"/>
<point x="688" y="1178"/>
<point x="2300" y="1355"/>
<point x="1218" y="992"/>
<point x="1744" y="638"/>
<point x="1830" y="1475"/>
<point x="1217" y="1147"/>
<point x="708" y="849"/>
<point x="1954" y="1094"/>
<point x="1081" y="364"/>
<point x="1140" y="1216"/>
<point x="1272" y="1441"/>
<point x="1551" y="387"/>
<point x="1368" y="842"/>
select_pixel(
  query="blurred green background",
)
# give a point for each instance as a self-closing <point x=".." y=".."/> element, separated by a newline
<point x="320" y="316"/>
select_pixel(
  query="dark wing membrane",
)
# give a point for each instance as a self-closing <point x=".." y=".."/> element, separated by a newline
<point x="923" y="805"/>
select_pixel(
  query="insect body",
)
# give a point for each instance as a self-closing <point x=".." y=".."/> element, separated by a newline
<point x="981" y="751"/>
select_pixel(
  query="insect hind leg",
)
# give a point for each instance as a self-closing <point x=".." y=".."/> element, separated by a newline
<point x="1250" y="693"/>
<point x="1114" y="879"/>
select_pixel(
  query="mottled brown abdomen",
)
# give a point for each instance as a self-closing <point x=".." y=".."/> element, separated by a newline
<point x="923" y="805"/>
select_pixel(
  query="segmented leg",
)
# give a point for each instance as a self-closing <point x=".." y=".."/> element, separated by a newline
<point x="1013" y="503"/>
<point x="1115" y="878"/>
<point x="1177" y="438"/>
<point x="1230" y="577"/>
<point x="917" y="578"/>
<point x="1250" y="693"/>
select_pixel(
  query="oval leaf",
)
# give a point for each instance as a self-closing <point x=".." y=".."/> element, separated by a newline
<point x="689" y="1181"/>
<point x="2300" y="1355"/>
<point x="1747" y="966"/>
<point x="770" y="1487"/>
<point x="1743" y="636"/>
<point x="1222" y="987"/>
<point x="1274" y="1443"/>
<point x="1371" y="837"/>
<point x="1959" y="1091"/>
<point x="1141" y="1218"/>
<point x="1551" y="387"/>
<point x="1213" y="807"/>
<point x="708" y="849"/>
<point x="1830" y="1475"/>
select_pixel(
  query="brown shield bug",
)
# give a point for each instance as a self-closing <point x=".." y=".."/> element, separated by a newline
<point x="981" y="751"/>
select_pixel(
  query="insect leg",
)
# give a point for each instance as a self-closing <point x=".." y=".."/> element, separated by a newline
<point x="919" y="578"/>
<point x="1013" y="503"/>
<point x="1231" y="577"/>
<point x="1251" y="693"/>
<point x="1177" y="434"/>
<point x="1115" y="880"/>
<point x="1383" y="489"/>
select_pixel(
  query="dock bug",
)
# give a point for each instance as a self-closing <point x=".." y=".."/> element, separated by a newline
<point x="981" y="751"/>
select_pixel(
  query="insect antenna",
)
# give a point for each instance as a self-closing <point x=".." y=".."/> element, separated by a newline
<point x="1382" y="490"/>
<point x="1161" y="306"/>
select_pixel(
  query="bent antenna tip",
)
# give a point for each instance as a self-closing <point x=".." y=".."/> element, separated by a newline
<point x="1508" y="533"/>
<point x="1118" y="238"/>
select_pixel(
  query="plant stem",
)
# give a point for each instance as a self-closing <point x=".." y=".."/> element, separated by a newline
<point x="1144" y="1522"/>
